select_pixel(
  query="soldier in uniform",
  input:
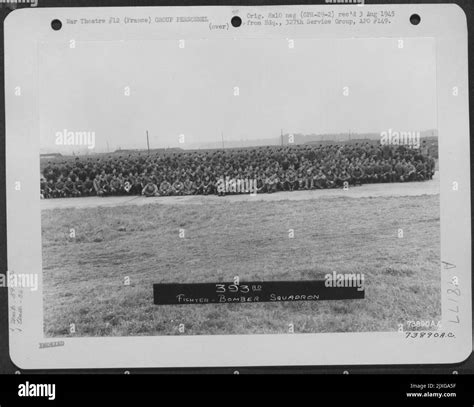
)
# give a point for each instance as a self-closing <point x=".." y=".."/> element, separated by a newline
<point x="129" y="183"/>
<point x="50" y="188"/>
<point x="343" y="178"/>
<point x="150" y="189"/>
<point x="357" y="175"/>
<point x="104" y="183"/>
<point x="420" y="171"/>
<point x="177" y="187"/>
<point x="283" y="182"/>
<point x="44" y="189"/>
<point x="301" y="181"/>
<point x="320" y="180"/>
<point x="291" y="178"/>
<point x="410" y="171"/>
<point x="308" y="182"/>
<point x="431" y="166"/>
<point x="59" y="188"/>
<point x="165" y="188"/>
<point x="260" y="182"/>
<point x="97" y="186"/>
<point x="369" y="173"/>
<point x="399" y="171"/>
<point x="330" y="179"/>
<point x="115" y="186"/>
<point x="189" y="187"/>
<point x="387" y="174"/>
<point x="198" y="185"/>
<point x="88" y="187"/>
<point x="207" y="187"/>
<point x="79" y="186"/>
<point x="377" y="171"/>
<point x="271" y="182"/>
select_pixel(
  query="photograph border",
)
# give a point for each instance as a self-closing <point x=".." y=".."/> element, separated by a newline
<point x="458" y="112"/>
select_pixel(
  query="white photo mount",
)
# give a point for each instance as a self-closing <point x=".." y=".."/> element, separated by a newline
<point x="28" y="39"/>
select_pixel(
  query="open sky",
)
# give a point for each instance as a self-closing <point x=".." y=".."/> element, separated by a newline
<point x="190" y="91"/>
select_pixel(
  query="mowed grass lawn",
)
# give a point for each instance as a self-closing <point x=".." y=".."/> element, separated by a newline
<point x="84" y="276"/>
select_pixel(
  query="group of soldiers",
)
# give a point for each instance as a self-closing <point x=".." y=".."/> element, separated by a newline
<point x="288" y="168"/>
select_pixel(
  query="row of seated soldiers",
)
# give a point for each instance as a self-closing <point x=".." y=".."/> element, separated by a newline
<point x="271" y="169"/>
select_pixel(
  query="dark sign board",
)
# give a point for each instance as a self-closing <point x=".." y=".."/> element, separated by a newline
<point x="250" y="292"/>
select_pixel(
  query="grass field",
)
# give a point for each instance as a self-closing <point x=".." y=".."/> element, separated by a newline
<point x="84" y="276"/>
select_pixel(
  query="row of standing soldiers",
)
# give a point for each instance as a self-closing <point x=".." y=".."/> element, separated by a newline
<point x="272" y="169"/>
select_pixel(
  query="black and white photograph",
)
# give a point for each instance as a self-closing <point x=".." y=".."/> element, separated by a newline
<point x="204" y="187"/>
<point x="247" y="167"/>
